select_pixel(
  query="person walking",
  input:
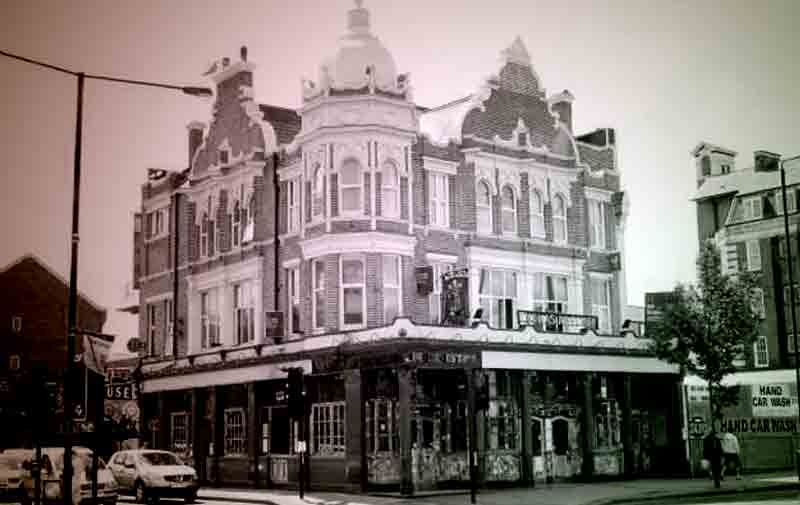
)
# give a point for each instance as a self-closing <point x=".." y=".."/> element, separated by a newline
<point x="712" y="451"/>
<point x="730" y="454"/>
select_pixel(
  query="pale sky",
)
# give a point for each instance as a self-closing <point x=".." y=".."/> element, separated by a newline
<point x="665" y="75"/>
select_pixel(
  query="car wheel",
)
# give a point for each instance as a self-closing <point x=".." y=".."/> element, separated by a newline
<point x="190" y="497"/>
<point x="140" y="492"/>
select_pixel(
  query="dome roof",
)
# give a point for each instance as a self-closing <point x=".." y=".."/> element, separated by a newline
<point x="359" y="50"/>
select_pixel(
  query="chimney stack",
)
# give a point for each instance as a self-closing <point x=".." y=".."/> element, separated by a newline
<point x="195" y="138"/>
<point x="765" y="161"/>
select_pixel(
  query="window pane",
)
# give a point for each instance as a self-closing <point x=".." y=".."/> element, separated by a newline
<point x="350" y="172"/>
<point x="319" y="274"/>
<point x="391" y="273"/>
<point x="483" y="194"/>
<point x="351" y="198"/>
<point x="352" y="271"/>
<point x="391" y="304"/>
<point x="558" y="206"/>
<point x="511" y="284"/>
<point x="353" y="305"/>
<point x="497" y="283"/>
<point x="508" y="198"/>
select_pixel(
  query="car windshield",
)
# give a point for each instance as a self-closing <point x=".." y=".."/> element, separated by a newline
<point x="160" y="458"/>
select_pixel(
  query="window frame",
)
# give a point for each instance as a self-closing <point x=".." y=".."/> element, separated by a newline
<point x="293" y="205"/>
<point x="318" y="294"/>
<point x="158" y="223"/>
<point x="244" y="303"/>
<point x="753" y="253"/>
<point x="343" y="287"/>
<point x="328" y="435"/>
<point x="491" y="298"/>
<point x="758" y="302"/>
<point x="210" y="320"/>
<point x="392" y="284"/>
<point x="439" y="199"/>
<point x="597" y="224"/>
<point x="204" y="226"/>
<point x="292" y="277"/>
<point x="559" y="219"/>
<point x="390" y="172"/>
<point x="750" y="205"/>
<point x="435" y="296"/>
<point x="791" y="201"/>
<point x="488" y="225"/>
<point x="343" y="187"/>
<point x="537" y="214"/>
<point x="761" y="348"/>
<point x="373" y="420"/>
<point x="174" y="428"/>
<point x="238" y="439"/>
<point x="152" y="329"/>
<point x="545" y="285"/>
<point x="599" y="310"/>
<point x="236" y="225"/>
<point x="169" y="327"/>
<point x="317" y="192"/>
<point x="507" y="211"/>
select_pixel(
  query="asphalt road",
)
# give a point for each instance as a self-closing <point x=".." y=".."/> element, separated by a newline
<point x="746" y="498"/>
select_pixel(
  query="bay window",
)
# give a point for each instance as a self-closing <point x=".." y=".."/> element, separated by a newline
<point x="559" y="219"/>
<point x="392" y="292"/>
<point x="209" y="319"/>
<point x="439" y="213"/>
<point x="318" y="298"/>
<point x="390" y="190"/>
<point x="483" y="207"/>
<point x="508" y="210"/>
<point x="537" y="214"/>
<point x="498" y="297"/>
<point x="350" y="186"/>
<point x="503" y="418"/>
<point x="244" y="312"/>
<point x="352" y="282"/>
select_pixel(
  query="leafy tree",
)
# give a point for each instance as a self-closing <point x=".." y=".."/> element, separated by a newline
<point x="705" y="328"/>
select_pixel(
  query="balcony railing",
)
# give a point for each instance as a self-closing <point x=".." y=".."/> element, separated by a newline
<point x="555" y="322"/>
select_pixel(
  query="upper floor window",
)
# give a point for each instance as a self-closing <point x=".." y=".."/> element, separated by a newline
<point x="157" y="223"/>
<point x="237" y="224"/>
<point x="223" y="156"/>
<point x="244" y="312"/>
<point x="791" y="201"/>
<point x="350" y="186"/>
<point x="318" y="298"/>
<point x="435" y="297"/>
<point x="498" y="297"/>
<point x="293" y="285"/>
<point x="597" y="224"/>
<point x="248" y="220"/>
<point x="152" y="329"/>
<point x="537" y="214"/>
<point x="204" y="224"/>
<point x="209" y="319"/>
<point x="522" y="139"/>
<point x="353" y="306"/>
<point x="753" y="250"/>
<point x="601" y="307"/>
<point x="559" y="219"/>
<point x="392" y="280"/>
<point x="757" y="300"/>
<point x="706" y="166"/>
<point x="483" y="204"/>
<point x="726" y="169"/>
<point x="761" y="352"/>
<point x="390" y="190"/>
<point x="318" y="191"/>
<point x="293" y="200"/>
<point x="169" y="327"/>
<point x="14" y="362"/>
<point x="509" y="210"/>
<point x="439" y="199"/>
<point x="752" y="208"/>
<point x="550" y="293"/>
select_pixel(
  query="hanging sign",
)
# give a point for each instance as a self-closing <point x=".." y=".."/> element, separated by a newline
<point x="424" y="276"/>
<point x="273" y="324"/>
<point x="456" y="298"/>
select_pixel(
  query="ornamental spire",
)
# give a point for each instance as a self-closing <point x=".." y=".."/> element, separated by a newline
<point x="358" y="18"/>
<point x="517" y="53"/>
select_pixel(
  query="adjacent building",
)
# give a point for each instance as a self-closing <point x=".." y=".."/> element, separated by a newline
<point x="378" y="228"/>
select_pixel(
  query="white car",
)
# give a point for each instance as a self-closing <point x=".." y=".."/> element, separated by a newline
<point x="12" y="475"/>
<point x="151" y="474"/>
<point x="52" y="468"/>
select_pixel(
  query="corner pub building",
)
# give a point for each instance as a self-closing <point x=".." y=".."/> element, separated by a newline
<point x="377" y="198"/>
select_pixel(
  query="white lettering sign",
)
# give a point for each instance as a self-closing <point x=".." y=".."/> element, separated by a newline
<point x="773" y="400"/>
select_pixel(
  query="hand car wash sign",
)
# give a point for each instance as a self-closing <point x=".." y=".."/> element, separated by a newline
<point x="773" y="400"/>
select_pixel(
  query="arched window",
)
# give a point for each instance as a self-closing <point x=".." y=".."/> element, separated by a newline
<point x="390" y="190"/>
<point x="483" y="204"/>
<point x="537" y="214"/>
<point x="350" y="186"/>
<point x="509" y="210"/>
<point x="559" y="219"/>
<point x="318" y="196"/>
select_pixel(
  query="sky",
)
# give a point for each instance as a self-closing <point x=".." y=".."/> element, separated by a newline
<point x="666" y="75"/>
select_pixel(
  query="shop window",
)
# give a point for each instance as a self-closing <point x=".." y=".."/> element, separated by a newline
<point x="560" y="436"/>
<point x="503" y="418"/>
<point x="454" y="427"/>
<point x="179" y="431"/>
<point x="382" y="426"/>
<point x="235" y="434"/>
<point x="498" y="297"/>
<point x="607" y="425"/>
<point x="536" y="437"/>
<point x="327" y="429"/>
<point x="278" y="435"/>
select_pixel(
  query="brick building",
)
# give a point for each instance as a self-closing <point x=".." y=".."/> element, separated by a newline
<point x="33" y="344"/>
<point x="491" y="195"/>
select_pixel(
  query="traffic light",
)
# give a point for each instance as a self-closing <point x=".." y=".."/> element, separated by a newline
<point x="296" y="393"/>
<point x="481" y="392"/>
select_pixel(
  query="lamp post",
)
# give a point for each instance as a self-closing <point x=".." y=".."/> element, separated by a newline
<point x="75" y="238"/>
<point x="791" y="290"/>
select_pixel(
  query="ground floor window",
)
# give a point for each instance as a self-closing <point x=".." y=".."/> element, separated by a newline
<point x="607" y="425"/>
<point x="454" y="427"/>
<point x="504" y="421"/>
<point x="235" y="434"/>
<point x="179" y="431"/>
<point x="327" y="429"/>
<point x="277" y="431"/>
<point x="382" y="426"/>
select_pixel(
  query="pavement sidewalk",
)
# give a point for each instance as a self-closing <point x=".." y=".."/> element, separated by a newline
<point x="566" y="493"/>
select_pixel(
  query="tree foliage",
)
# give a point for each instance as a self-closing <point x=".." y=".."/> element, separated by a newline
<point x="707" y="327"/>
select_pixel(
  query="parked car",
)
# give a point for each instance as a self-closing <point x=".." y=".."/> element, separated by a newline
<point x="52" y="468"/>
<point x="12" y="476"/>
<point x="151" y="474"/>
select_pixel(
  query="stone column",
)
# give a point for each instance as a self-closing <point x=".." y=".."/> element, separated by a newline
<point x="527" y="441"/>
<point x="405" y="386"/>
<point x="355" y="471"/>
<point x="252" y="433"/>
<point x="627" y="426"/>
<point x="587" y="433"/>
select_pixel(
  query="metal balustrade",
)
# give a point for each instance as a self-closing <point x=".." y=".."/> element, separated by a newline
<point x="555" y="322"/>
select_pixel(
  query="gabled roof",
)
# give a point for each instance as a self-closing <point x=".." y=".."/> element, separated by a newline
<point x="41" y="264"/>
<point x="286" y="122"/>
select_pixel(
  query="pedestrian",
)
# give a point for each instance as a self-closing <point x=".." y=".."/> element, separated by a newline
<point x="730" y="454"/>
<point x="712" y="451"/>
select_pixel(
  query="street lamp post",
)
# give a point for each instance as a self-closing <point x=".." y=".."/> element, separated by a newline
<point x="72" y="310"/>
<point x="791" y="291"/>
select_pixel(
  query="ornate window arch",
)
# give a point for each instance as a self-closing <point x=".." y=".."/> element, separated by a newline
<point x="350" y="186"/>
<point x="483" y="206"/>
<point x="559" y="207"/>
<point x="390" y="189"/>
<point x="508" y="207"/>
<point x="537" y="213"/>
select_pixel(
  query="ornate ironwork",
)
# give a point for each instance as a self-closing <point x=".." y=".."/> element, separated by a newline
<point x="556" y="322"/>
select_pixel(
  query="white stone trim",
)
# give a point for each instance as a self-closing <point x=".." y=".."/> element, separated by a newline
<point x="345" y="243"/>
<point x="432" y="257"/>
<point x="223" y="377"/>
<point x="524" y="261"/>
<point x="601" y="195"/>
<point x="158" y="298"/>
<point x="575" y="362"/>
<point x="293" y="171"/>
<point x="438" y="165"/>
<point x="291" y="263"/>
<point x="603" y="276"/>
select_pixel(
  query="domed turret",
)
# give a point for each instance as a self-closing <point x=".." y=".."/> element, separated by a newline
<point x="360" y="57"/>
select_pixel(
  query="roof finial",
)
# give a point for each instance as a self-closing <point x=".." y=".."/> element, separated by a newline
<point x="358" y="18"/>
